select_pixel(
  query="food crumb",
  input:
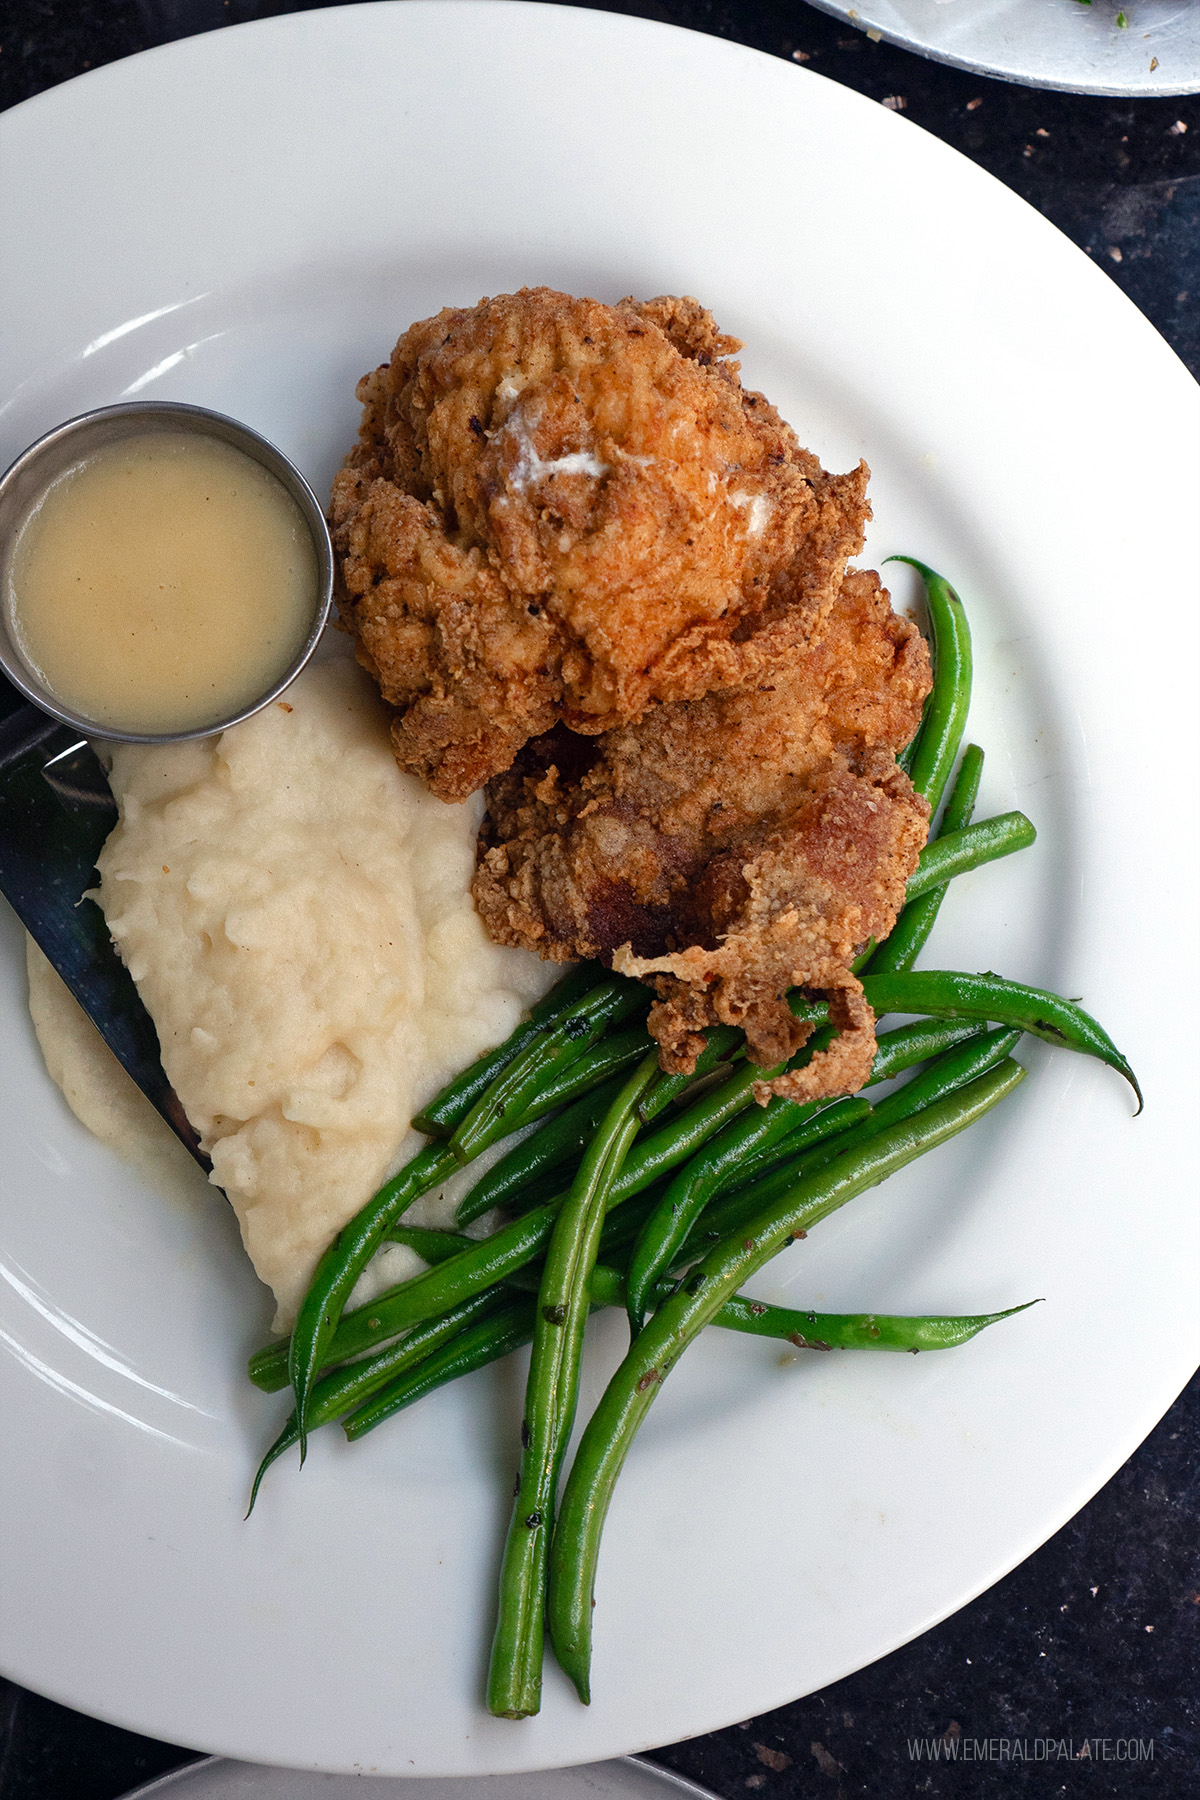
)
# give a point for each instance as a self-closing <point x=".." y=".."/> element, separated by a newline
<point x="1177" y="129"/>
<point x="1153" y="64"/>
<point x="1041" y="132"/>
<point x="1114" y="250"/>
<point x="283" y="706"/>
<point x="774" y="1759"/>
<point x="801" y="56"/>
<point x="895" y="102"/>
<point x="876" y="37"/>
<point x="974" y="105"/>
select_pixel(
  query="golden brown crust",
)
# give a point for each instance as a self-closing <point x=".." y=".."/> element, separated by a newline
<point x="730" y="848"/>
<point x="565" y="511"/>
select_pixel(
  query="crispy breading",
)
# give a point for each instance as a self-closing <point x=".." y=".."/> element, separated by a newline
<point x="730" y="848"/>
<point x="564" y="512"/>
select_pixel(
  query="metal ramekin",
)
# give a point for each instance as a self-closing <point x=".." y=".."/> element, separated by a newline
<point x="25" y="484"/>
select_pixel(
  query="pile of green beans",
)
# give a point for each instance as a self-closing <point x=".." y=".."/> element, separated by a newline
<point x="561" y="1037"/>
<point x="676" y="1190"/>
<point x="944" y="1076"/>
<point x="679" y="1320"/>
<point x="490" y="1259"/>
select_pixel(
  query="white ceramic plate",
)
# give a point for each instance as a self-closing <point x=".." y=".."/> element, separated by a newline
<point x="247" y="220"/>
<point x="628" y="1779"/>
<point x="1083" y="49"/>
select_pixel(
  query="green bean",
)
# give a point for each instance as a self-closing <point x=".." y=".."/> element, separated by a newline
<point x="431" y="1245"/>
<point x="896" y="1051"/>
<point x="946" y="1073"/>
<point x="810" y="1330"/>
<point x="959" y="809"/>
<point x="910" y="933"/>
<point x="479" y="1263"/>
<point x="343" y="1263"/>
<point x="623" y="1222"/>
<point x="502" y="1106"/>
<point x="941" y="1078"/>
<point x="482" y="1264"/>
<point x="952" y="994"/>
<point x="514" y="1685"/>
<point x="856" y="1331"/>
<point x="630" y="1393"/>
<point x="957" y="852"/>
<point x="688" y="1194"/>
<point x="268" y="1367"/>
<point x="615" y="1053"/>
<point x="746" y="1139"/>
<point x="440" y="1117"/>
<point x="906" y="1045"/>
<point x="349" y="1386"/>
<point x="542" y="1153"/>
<point x="722" y="1041"/>
<point x="506" y="1331"/>
<point x="830" y="1121"/>
<point x="660" y="1151"/>
<point x="620" y="1229"/>
<point x="472" y="1349"/>
<point x="545" y="1190"/>
<point x="935" y="747"/>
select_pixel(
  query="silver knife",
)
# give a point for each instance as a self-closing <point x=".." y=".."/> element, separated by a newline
<point x="56" y="810"/>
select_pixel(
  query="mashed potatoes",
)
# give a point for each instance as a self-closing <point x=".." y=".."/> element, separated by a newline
<point x="96" y="1087"/>
<point x="297" y="916"/>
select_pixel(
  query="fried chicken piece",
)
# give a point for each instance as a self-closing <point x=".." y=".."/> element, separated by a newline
<point x="560" y="511"/>
<point x="729" y="848"/>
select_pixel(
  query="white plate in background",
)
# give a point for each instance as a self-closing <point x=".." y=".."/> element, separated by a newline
<point x="1079" y="48"/>
<point x="247" y="220"/>
<point x="217" y="1779"/>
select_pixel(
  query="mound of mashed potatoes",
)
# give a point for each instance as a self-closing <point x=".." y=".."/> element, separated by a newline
<point x="297" y="915"/>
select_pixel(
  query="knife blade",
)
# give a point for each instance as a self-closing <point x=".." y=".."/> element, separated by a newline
<point x="56" y="809"/>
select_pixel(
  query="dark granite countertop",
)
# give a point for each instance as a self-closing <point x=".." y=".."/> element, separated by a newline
<point x="1094" y="1638"/>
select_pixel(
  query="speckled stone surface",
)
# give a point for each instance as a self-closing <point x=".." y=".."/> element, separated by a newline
<point x="1079" y="1673"/>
